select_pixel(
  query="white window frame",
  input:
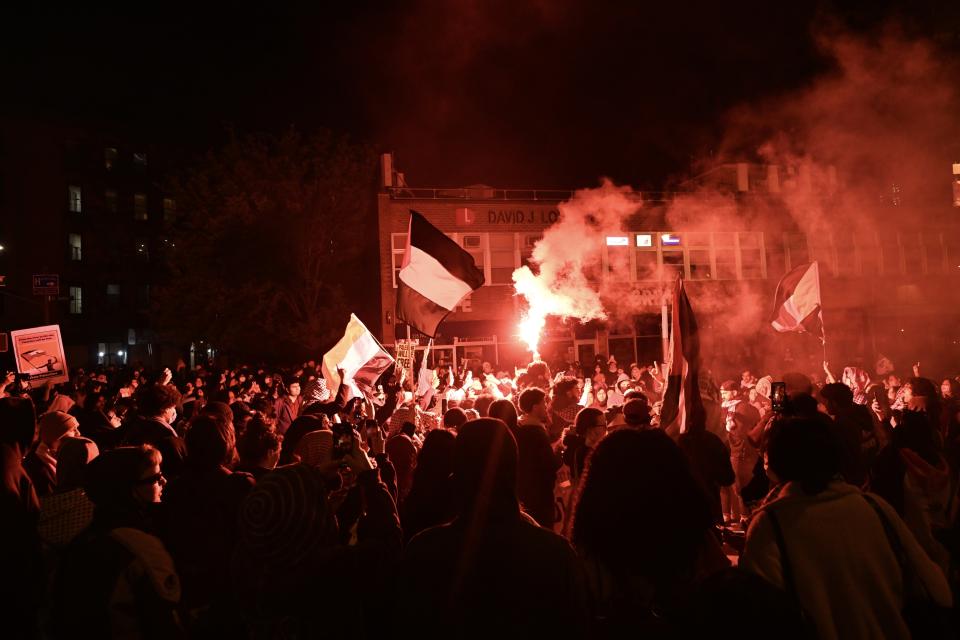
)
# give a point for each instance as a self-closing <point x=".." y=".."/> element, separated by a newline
<point x="76" y="300"/>
<point x="76" y="252"/>
<point x="75" y="199"/>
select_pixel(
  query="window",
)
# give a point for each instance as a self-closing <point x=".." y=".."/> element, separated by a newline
<point x="76" y="300"/>
<point x="503" y="257"/>
<point x="473" y="243"/>
<point x="140" y="158"/>
<point x="752" y="259"/>
<point x="823" y="251"/>
<point x="142" y="249"/>
<point x="113" y="290"/>
<point x="725" y="252"/>
<point x="698" y="252"/>
<point x="74" y="199"/>
<point x="139" y="206"/>
<point x="796" y="249"/>
<point x="647" y="266"/>
<point x="169" y="209"/>
<point x="109" y="157"/>
<point x="76" y="248"/>
<point x="672" y="258"/>
<point x="398" y="245"/>
<point x="110" y="200"/>
<point x="618" y="252"/>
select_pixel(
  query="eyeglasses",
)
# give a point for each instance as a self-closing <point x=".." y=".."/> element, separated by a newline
<point x="154" y="479"/>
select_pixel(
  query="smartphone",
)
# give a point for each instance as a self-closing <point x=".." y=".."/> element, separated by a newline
<point x="342" y="439"/>
<point x="778" y="396"/>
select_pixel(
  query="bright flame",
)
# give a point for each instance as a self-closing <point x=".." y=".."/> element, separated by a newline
<point x="530" y="327"/>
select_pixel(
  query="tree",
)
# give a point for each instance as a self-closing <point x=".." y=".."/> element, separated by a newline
<point x="272" y="240"/>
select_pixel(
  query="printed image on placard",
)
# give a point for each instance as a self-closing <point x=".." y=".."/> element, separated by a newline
<point x="39" y="354"/>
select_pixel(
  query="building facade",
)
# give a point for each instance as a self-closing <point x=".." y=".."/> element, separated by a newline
<point x="89" y="208"/>
<point x="893" y="290"/>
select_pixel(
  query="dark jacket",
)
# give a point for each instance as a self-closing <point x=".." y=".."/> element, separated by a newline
<point x="155" y="432"/>
<point x="710" y="462"/>
<point x="19" y="547"/>
<point x="199" y="527"/>
<point x="116" y="580"/>
<point x="536" y="472"/>
<point x="507" y="578"/>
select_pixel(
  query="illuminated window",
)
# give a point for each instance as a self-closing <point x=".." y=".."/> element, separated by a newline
<point x="503" y="257"/>
<point x="109" y="157"/>
<point x="110" y="200"/>
<point x="76" y="246"/>
<point x="142" y="249"/>
<point x="139" y="206"/>
<point x="76" y="300"/>
<point x="618" y="257"/>
<point x="398" y="245"/>
<point x="74" y="199"/>
<point x="672" y="254"/>
<point x="113" y="290"/>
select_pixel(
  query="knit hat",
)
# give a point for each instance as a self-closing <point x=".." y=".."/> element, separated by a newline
<point x="315" y="448"/>
<point x="286" y="518"/>
<point x="729" y="385"/>
<point x="72" y="458"/>
<point x="54" y="425"/>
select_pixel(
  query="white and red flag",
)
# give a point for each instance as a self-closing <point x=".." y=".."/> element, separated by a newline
<point x="360" y="356"/>
<point x="681" y="399"/>
<point x="436" y="275"/>
<point x="797" y="306"/>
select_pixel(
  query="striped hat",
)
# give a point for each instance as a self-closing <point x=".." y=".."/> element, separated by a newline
<point x="286" y="518"/>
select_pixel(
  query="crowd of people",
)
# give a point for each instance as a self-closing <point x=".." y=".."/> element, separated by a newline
<point x="252" y="502"/>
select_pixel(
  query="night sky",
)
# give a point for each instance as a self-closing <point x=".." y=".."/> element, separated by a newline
<point x="549" y="93"/>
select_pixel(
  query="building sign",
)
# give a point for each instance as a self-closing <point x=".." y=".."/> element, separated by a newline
<point x="466" y="216"/>
<point x="523" y="216"/>
<point x="669" y="240"/>
<point x="618" y="241"/>
<point x="46" y="284"/>
<point x="645" y="240"/>
<point x="38" y="353"/>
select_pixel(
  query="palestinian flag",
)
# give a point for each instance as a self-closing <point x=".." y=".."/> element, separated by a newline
<point x="681" y="399"/>
<point x="797" y="306"/>
<point x="435" y="276"/>
<point x="361" y="357"/>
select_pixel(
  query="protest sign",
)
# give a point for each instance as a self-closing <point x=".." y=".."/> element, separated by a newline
<point x="38" y="353"/>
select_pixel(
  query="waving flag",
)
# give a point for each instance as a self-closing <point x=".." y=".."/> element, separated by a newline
<point x="797" y="306"/>
<point x="681" y="399"/>
<point x="436" y="275"/>
<point x="361" y="357"/>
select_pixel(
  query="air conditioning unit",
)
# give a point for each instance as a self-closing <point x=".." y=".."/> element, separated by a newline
<point x="471" y="242"/>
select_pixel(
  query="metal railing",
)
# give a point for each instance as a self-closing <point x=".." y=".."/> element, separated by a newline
<point x="489" y="193"/>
